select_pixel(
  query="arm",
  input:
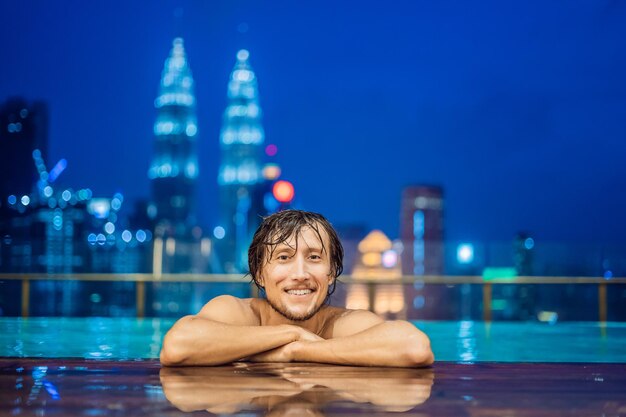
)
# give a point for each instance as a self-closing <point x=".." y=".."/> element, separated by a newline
<point x="224" y="331"/>
<point x="362" y="338"/>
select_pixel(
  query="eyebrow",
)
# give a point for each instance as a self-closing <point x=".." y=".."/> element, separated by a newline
<point x="283" y="248"/>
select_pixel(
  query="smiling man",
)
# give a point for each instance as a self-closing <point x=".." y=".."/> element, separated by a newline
<point x="295" y="258"/>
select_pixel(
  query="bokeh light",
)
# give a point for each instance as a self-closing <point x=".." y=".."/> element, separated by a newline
<point x="271" y="150"/>
<point x="283" y="191"/>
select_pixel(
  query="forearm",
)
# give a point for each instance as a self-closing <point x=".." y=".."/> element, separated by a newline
<point x="199" y="341"/>
<point x="396" y="343"/>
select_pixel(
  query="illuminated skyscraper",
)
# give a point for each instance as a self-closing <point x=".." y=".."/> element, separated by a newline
<point x="421" y="232"/>
<point x="174" y="167"/>
<point x="23" y="128"/>
<point x="240" y="175"/>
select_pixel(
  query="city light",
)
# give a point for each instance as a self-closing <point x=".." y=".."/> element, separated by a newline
<point x="116" y="202"/>
<point x="99" y="208"/>
<point x="390" y="258"/>
<point x="271" y="150"/>
<point x="271" y="172"/>
<point x="219" y="232"/>
<point x="283" y="191"/>
<point x="465" y="253"/>
<point x="141" y="236"/>
<point x="191" y="129"/>
<point x="109" y="228"/>
<point x="529" y="243"/>
<point x="127" y="236"/>
<point x="57" y="170"/>
<point x="243" y="55"/>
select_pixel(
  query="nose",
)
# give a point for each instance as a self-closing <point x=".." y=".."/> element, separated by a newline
<point x="300" y="270"/>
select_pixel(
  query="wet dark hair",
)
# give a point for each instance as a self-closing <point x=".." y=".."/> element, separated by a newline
<point x="279" y="227"/>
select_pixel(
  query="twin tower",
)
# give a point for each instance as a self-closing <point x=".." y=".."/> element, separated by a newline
<point x="174" y="170"/>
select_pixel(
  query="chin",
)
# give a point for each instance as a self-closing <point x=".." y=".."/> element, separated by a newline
<point x="297" y="315"/>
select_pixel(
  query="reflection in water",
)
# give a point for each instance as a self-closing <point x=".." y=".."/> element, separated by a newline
<point x="294" y="389"/>
<point x="466" y="341"/>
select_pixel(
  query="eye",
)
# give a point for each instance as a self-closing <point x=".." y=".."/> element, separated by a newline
<point x="282" y="257"/>
<point x="315" y="257"/>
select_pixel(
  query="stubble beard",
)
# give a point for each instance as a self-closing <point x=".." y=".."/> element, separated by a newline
<point x="289" y="316"/>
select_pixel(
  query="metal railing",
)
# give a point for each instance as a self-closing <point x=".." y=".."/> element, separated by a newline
<point x="371" y="284"/>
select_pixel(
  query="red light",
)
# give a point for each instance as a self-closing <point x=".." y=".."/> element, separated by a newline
<point x="283" y="191"/>
<point x="271" y="150"/>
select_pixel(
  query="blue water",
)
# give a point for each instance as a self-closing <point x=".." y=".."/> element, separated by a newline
<point x="464" y="341"/>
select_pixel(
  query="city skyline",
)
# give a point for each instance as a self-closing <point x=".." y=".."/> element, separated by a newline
<point x="541" y="152"/>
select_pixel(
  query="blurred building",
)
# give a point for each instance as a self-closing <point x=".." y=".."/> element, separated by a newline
<point x="351" y="234"/>
<point x="174" y="169"/>
<point x="23" y="128"/>
<point x="47" y="231"/>
<point x="48" y="227"/>
<point x="421" y="234"/>
<point x="241" y="182"/>
<point x="377" y="259"/>
<point x="421" y="230"/>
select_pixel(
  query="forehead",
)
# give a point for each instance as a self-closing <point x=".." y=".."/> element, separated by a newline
<point x="306" y="235"/>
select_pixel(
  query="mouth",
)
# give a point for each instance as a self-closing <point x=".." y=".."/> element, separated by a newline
<point x="299" y="291"/>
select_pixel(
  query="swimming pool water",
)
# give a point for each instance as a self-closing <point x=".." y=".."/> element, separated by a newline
<point x="459" y="341"/>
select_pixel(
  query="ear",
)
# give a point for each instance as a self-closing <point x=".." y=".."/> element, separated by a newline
<point x="260" y="281"/>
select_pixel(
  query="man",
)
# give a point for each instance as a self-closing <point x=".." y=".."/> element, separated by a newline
<point x="295" y="258"/>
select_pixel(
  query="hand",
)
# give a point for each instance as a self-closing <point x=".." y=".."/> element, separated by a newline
<point x="306" y="336"/>
<point x="281" y="354"/>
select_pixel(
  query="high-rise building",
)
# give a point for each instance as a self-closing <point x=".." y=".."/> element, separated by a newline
<point x="421" y="230"/>
<point x="421" y="233"/>
<point x="240" y="177"/>
<point x="174" y="167"/>
<point x="23" y="128"/>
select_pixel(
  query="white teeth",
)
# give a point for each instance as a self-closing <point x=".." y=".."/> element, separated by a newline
<point x="299" y="292"/>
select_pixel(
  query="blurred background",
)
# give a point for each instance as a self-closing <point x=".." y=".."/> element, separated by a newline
<point x="443" y="140"/>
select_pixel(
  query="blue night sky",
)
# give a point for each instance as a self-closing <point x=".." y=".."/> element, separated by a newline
<point x="518" y="109"/>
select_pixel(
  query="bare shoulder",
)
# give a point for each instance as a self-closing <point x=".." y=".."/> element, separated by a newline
<point x="231" y="310"/>
<point x="354" y="321"/>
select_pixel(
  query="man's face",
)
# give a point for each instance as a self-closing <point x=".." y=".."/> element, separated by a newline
<point x="296" y="277"/>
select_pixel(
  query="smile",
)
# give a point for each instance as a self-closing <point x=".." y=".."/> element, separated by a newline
<point x="299" y="291"/>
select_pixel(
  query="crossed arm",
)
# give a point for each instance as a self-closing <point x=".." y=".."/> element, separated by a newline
<point x="226" y="330"/>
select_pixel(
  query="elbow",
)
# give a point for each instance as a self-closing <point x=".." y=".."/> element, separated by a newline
<point x="420" y="353"/>
<point x="419" y="356"/>
<point x="169" y="357"/>
<point x="172" y="351"/>
<point x="170" y="354"/>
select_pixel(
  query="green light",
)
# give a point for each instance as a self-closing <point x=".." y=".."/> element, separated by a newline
<point x="499" y="273"/>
